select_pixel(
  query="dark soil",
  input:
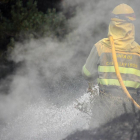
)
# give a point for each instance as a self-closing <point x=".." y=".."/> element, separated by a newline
<point x="124" y="127"/>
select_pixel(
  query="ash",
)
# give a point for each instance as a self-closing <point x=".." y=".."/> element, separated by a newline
<point x="123" y="127"/>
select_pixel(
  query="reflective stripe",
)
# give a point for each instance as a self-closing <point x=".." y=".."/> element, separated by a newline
<point x="116" y="82"/>
<point x="123" y="70"/>
<point x="86" y="72"/>
<point x="112" y="75"/>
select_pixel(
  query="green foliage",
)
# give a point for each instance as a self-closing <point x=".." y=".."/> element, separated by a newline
<point x="27" y="21"/>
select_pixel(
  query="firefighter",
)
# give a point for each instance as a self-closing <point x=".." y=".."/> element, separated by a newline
<point x="99" y="66"/>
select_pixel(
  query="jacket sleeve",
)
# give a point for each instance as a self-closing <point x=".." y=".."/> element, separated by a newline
<point x="90" y="69"/>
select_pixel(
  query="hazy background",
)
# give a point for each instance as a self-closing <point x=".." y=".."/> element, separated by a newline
<point x="41" y="92"/>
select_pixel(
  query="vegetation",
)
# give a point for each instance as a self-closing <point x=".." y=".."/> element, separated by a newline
<point x="25" y="21"/>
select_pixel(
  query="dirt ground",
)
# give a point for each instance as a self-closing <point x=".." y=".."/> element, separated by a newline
<point x="123" y="127"/>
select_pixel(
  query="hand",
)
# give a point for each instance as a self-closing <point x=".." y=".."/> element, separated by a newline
<point x="90" y="85"/>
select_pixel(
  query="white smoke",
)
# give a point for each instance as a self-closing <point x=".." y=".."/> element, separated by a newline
<point x="42" y="90"/>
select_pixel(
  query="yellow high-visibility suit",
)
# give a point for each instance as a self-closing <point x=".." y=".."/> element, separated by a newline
<point x="99" y="65"/>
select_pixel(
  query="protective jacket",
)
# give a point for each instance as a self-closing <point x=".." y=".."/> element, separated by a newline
<point x="128" y="55"/>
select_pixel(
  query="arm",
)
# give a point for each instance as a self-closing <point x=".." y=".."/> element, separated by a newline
<point x="90" y="69"/>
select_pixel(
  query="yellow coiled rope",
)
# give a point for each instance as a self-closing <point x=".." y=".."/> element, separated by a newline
<point x="118" y="73"/>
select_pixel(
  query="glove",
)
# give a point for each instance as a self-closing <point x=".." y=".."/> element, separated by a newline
<point x="90" y="85"/>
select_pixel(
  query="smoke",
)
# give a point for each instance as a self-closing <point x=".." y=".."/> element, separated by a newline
<point x="47" y="82"/>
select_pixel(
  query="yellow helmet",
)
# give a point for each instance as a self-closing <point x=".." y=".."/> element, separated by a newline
<point x="124" y="11"/>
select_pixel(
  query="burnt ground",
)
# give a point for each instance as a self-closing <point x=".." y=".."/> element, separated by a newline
<point x="124" y="127"/>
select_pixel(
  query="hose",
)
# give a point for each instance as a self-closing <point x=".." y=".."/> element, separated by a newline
<point x="118" y="73"/>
